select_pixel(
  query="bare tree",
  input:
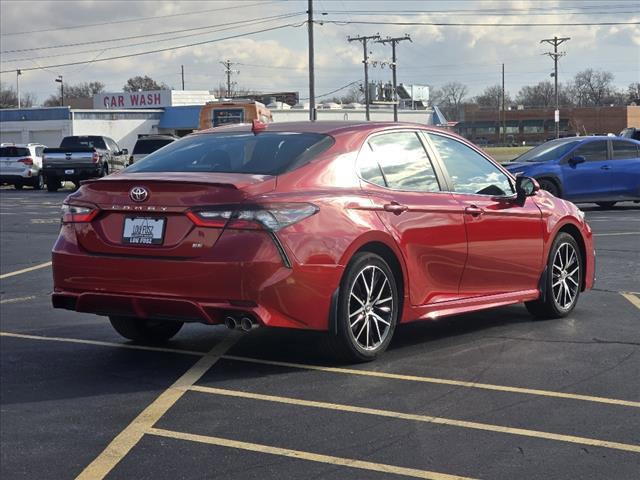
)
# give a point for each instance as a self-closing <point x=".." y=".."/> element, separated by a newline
<point x="449" y="98"/>
<point x="83" y="90"/>
<point x="145" y="83"/>
<point x="540" y="95"/>
<point x="591" y="87"/>
<point x="633" y="92"/>
<point x="9" y="98"/>
<point x="492" y="97"/>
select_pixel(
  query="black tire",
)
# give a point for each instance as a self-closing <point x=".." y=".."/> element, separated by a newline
<point x="550" y="186"/>
<point x="145" y="330"/>
<point x="53" y="184"/>
<point x="38" y="184"/>
<point x="550" y="306"/>
<point x="18" y="186"/>
<point x="606" y="204"/>
<point x="348" y="345"/>
<point x="104" y="171"/>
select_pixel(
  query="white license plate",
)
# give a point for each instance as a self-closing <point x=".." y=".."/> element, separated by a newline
<point x="69" y="171"/>
<point x="143" y="231"/>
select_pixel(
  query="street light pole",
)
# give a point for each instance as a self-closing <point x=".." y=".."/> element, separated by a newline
<point x="18" y="73"/>
<point x="59" y="80"/>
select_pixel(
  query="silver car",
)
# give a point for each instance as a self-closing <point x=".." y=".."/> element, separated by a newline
<point x="21" y="164"/>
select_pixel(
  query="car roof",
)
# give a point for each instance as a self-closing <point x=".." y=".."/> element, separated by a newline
<point x="153" y="136"/>
<point x="322" y="127"/>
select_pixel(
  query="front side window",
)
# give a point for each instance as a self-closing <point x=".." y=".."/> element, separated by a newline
<point x="469" y="171"/>
<point x="403" y="161"/>
<point x="268" y="153"/>
<point x="624" y="150"/>
<point x="592" y="151"/>
<point x="150" y="145"/>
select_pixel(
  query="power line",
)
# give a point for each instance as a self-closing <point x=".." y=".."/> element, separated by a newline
<point x="146" y="35"/>
<point x="483" y="13"/>
<point x="148" y="52"/>
<point x="476" y="24"/>
<point x="70" y="54"/>
<point x="336" y="90"/>
<point x="137" y="19"/>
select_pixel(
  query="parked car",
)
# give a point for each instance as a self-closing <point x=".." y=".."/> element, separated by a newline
<point x="80" y="157"/>
<point x="604" y="170"/>
<point x="147" y="144"/>
<point x="343" y="227"/>
<point x="631" y="133"/>
<point x="21" y="164"/>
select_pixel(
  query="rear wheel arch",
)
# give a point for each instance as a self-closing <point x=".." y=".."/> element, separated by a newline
<point x="389" y="256"/>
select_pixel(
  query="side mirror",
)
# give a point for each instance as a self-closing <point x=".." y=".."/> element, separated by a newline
<point x="573" y="161"/>
<point x="526" y="186"/>
<point x="124" y="152"/>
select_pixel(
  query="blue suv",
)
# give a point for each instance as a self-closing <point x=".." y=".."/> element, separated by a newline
<point x="603" y="170"/>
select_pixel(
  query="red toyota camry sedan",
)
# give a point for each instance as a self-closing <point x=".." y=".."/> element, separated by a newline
<point x="344" y="227"/>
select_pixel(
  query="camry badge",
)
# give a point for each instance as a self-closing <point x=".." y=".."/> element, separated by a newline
<point x="139" y="194"/>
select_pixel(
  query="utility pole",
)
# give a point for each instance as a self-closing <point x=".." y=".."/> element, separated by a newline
<point x="394" y="41"/>
<point x="555" y="41"/>
<point x="18" y="73"/>
<point x="504" y="114"/>
<point x="227" y="65"/>
<point x="59" y="80"/>
<point x="365" y="61"/>
<point x="312" y="74"/>
<point x="182" y="72"/>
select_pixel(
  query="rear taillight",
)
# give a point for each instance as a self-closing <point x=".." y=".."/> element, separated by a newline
<point x="95" y="158"/>
<point x="26" y="161"/>
<point x="78" y="214"/>
<point x="270" y="217"/>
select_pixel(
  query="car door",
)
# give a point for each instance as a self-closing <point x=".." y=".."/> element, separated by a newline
<point x="590" y="180"/>
<point x="504" y="236"/>
<point x="421" y="216"/>
<point x="625" y="170"/>
<point x="116" y="157"/>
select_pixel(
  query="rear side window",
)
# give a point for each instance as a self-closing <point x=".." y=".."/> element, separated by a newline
<point x="265" y="153"/>
<point x="83" y="142"/>
<point x="593" y="151"/>
<point x="147" y="146"/>
<point x="14" y="152"/>
<point x="624" y="150"/>
<point x="401" y="161"/>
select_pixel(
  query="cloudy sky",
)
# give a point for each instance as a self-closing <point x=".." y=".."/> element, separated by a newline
<point x="276" y="60"/>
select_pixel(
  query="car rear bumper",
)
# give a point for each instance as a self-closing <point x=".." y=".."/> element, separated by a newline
<point x="21" y="176"/>
<point x="244" y="273"/>
<point x="79" y="173"/>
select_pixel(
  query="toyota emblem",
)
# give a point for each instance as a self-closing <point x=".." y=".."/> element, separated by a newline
<point x="139" y="194"/>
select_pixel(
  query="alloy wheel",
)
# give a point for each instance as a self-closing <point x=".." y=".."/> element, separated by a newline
<point x="370" y="308"/>
<point x="565" y="276"/>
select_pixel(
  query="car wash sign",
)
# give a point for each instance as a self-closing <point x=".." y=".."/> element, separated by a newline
<point x="151" y="99"/>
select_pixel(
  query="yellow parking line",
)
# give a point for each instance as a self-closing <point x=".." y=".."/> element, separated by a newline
<point x="302" y="455"/>
<point x="347" y="371"/>
<point x="16" y="300"/>
<point x="101" y="344"/>
<point x="442" y="381"/>
<point x="615" y="233"/>
<point x="131" y="435"/>
<point x="25" y="270"/>
<point x="420" y="418"/>
<point x="632" y="298"/>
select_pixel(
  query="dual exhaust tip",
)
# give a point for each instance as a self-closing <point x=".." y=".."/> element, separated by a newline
<point x="244" y="323"/>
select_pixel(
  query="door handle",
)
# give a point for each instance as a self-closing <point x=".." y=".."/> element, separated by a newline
<point x="473" y="211"/>
<point x="395" y="207"/>
<point x="605" y="167"/>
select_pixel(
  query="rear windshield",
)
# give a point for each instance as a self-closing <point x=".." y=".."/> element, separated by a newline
<point x="147" y="146"/>
<point x="265" y="153"/>
<point x="548" y="151"/>
<point x="14" y="152"/>
<point x="79" y="142"/>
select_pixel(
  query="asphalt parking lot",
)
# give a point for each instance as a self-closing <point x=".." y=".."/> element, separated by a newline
<point x="486" y="395"/>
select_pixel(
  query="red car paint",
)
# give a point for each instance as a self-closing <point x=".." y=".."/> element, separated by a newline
<point x="451" y="260"/>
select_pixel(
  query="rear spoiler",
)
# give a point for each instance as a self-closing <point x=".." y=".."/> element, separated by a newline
<point x="181" y="180"/>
